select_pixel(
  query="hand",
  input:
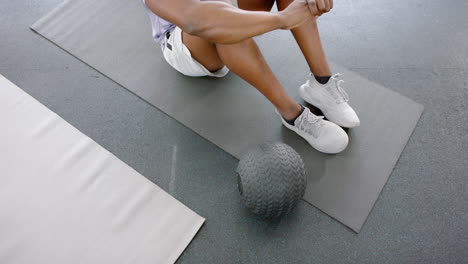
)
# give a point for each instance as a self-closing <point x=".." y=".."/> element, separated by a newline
<point x="320" y="6"/>
<point x="298" y="12"/>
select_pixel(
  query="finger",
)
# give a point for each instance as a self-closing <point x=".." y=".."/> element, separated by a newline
<point x="313" y="8"/>
<point x="327" y="5"/>
<point x="320" y="5"/>
<point x="331" y="4"/>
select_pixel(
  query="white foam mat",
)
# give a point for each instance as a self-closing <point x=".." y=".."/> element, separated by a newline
<point x="65" y="199"/>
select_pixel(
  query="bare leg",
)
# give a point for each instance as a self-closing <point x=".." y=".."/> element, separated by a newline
<point x="203" y="51"/>
<point x="308" y="38"/>
<point x="256" y="5"/>
<point x="245" y="60"/>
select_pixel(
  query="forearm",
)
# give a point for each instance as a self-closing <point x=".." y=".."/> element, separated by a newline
<point x="225" y="24"/>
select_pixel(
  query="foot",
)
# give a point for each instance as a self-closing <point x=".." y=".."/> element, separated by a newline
<point x="331" y="99"/>
<point x="322" y="135"/>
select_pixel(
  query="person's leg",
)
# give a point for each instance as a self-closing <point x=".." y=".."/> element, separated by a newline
<point x="324" y="91"/>
<point x="308" y="39"/>
<point x="203" y="51"/>
<point x="245" y="60"/>
<point x="256" y="5"/>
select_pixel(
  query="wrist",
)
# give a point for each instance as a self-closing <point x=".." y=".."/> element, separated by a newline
<point x="280" y="20"/>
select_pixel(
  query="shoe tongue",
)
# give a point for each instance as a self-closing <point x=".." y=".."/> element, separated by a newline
<point x="303" y="117"/>
<point x="308" y="122"/>
<point x="333" y="91"/>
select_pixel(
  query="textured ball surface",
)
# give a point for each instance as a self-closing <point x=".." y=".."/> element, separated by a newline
<point x="271" y="179"/>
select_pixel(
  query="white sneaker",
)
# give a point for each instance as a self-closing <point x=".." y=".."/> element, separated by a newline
<point x="322" y="135"/>
<point x="331" y="99"/>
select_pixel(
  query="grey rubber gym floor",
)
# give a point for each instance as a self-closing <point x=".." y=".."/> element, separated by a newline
<point x="418" y="48"/>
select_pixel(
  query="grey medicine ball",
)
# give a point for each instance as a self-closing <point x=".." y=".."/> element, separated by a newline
<point x="271" y="179"/>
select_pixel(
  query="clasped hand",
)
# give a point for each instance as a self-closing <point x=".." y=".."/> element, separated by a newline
<point x="300" y="11"/>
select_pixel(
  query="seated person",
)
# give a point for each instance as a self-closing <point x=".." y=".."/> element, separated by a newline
<point x="211" y="37"/>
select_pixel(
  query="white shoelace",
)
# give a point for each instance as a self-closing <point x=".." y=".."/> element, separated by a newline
<point x="339" y="94"/>
<point x="309" y="122"/>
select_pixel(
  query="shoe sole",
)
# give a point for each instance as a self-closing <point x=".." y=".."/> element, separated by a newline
<point x="292" y="128"/>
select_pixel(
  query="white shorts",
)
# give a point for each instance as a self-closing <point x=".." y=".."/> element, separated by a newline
<point x="179" y="57"/>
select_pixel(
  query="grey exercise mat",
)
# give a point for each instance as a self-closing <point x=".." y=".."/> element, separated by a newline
<point x="114" y="37"/>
